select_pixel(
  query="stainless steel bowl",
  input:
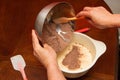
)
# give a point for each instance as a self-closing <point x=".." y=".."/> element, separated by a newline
<point x="53" y="11"/>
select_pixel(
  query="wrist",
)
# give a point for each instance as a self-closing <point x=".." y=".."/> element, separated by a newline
<point x="116" y="20"/>
<point x="52" y="64"/>
<point x="54" y="72"/>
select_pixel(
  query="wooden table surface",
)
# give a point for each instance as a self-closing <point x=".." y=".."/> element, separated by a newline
<point x="17" y="18"/>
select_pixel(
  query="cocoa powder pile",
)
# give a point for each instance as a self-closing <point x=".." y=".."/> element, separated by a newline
<point x="71" y="60"/>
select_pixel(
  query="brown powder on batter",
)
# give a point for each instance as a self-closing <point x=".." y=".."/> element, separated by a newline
<point x="51" y="37"/>
<point x="71" y="60"/>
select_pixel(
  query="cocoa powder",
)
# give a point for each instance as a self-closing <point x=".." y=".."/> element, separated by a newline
<point x="51" y="37"/>
<point x="71" y="60"/>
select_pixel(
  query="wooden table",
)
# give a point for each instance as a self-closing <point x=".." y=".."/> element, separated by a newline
<point x="17" y="18"/>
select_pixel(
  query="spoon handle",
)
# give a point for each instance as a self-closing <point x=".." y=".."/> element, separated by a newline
<point x="75" y="18"/>
<point x="83" y="30"/>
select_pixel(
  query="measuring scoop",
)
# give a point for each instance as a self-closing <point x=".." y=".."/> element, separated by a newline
<point x="19" y="64"/>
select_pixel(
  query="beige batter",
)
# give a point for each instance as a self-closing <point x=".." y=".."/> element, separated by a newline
<point x="83" y="58"/>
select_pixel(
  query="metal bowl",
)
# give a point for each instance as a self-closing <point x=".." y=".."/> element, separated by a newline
<point x="53" y="11"/>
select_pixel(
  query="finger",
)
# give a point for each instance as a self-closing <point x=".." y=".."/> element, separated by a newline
<point x="84" y="13"/>
<point x="39" y="39"/>
<point x="35" y="40"/>
<point x="96" y="25"/>
<point x="87" y="8"/>
<point x="91" y="22"/>
<point x="47" y="46"/>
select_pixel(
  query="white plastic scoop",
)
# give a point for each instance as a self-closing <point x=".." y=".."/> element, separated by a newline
<point x="19" y="65"/>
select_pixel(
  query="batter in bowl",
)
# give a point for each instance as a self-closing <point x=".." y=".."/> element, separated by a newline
<point x="75" y="57"/>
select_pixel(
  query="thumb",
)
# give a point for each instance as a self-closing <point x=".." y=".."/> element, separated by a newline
<point x="83" y="13"/>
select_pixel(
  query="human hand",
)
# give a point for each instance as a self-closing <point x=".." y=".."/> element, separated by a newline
<point x="46" y="55"/>
<point x="98" y="16"/>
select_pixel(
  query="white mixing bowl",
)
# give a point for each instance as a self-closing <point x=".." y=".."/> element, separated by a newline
<point x="97" y="48"/>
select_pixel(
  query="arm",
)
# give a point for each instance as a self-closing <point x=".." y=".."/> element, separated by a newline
<point x="100" y="17"/>
<point x="54" y="73"/>
<point x="47" y="57"/>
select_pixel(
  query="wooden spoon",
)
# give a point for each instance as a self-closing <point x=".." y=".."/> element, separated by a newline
<point x="65" y="19"/>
